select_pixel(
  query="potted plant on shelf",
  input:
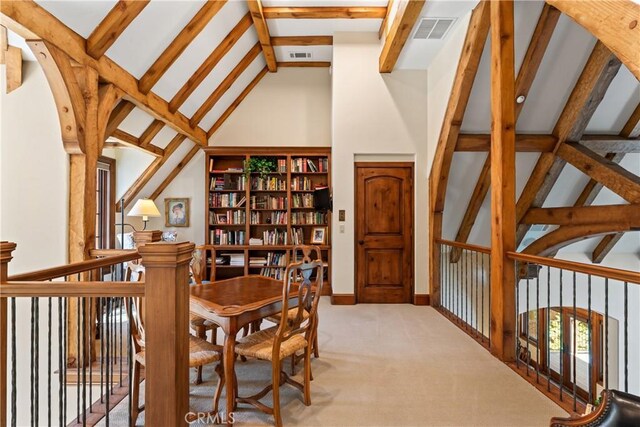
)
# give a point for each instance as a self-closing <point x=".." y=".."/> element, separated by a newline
<point x="263" y="166"/>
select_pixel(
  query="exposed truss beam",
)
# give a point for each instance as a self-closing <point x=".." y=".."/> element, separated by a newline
<point x="614" y="23"/>
<point x="593" y="187"/>
<point x="130" y="140"/>
<point x="552" y="242"/>
<point x="256" y="10"/>
<point x="184" y="162"/>
<point x="609" y="174"/>
<point x="324" y="12"/>
<point x="150" y="132"/>
<point x="526" y="75"/>
<point x="480" y="142"/>
<point x="119" y="113"/>
<point x="151" y="170"/>
<point x="32" y="22"/>
<point x="236" y="102"/>
<point x="584" y="215"/>
<point x="605" y="246"/>
<point x="385" y="20"/>
<point x="305" y="64"/>
<point x="599" y="71"/>
<point x="209" y="64"/>
<point x="113" y="25"/>
<point x="302" y="41"/>
<point x="225" y="84"/>
<point x="405" y="17"/>
<point x="179" y="44"/>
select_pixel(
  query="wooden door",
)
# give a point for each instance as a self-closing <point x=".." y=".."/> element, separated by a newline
<point x="384" y="232"/>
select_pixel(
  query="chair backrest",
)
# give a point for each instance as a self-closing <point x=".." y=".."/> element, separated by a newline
<point x="135" y="307"/>
<point x="305" y="277"/>
<point x="306" y="252"/>
<point x="198" y="264"/>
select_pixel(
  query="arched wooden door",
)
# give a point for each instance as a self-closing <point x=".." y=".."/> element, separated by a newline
<point x="384" y="232"/>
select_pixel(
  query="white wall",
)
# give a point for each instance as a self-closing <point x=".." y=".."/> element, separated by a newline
<point x="381" y="114"/>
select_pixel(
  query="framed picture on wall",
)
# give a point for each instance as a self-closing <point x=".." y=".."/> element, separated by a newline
<point x="318" y="235"/>
<point x="176" y="212"/>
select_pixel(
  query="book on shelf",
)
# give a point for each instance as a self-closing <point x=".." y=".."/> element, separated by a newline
<point x="231" y="200"/>
<point x="302" y="201"/>
<point x="297" y="236"/>
<point x="269" y="184"/>
<point x="254" y="241"/>
<point x="234" y="217"/>
<point x="274" y="273"/>
<point x="257" y="261"/>
<point x="226" y="237"/>
<point x="274" y="237"/>
<point x="282" y="165"/>
<point x="273" y="218"/>
<point x="268" y="202"/>
<point x="227" y="182"/>
<point x="315" y="218"/>
<point x="303" y="183"/>
<point x="235" y="259"/>
<point x="304" y="165"/>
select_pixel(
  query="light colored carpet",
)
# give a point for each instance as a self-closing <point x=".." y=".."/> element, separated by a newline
<point x="391" y="365"/>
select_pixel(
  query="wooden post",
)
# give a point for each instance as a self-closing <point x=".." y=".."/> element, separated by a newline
<point x="435" y="231"/>
<point x="6" y="248"/>
<point x="141" y="238"/>
<point x="166" y="332"/>
<point x="503" y="201"/>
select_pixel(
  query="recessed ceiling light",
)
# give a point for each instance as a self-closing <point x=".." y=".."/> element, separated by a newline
<point x="520" y="99"/>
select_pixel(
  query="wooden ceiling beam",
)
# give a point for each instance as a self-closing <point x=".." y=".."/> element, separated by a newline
<point x="225" y="84"/>
<point x="4" y="43"/>
<point x="385" y="20"/>
<point x="481" y="142"/>
<point x="605" y="246"/>
<point x="302" y="41"/>
<point x="583" y="215"/>
<point x="184" y="162"/>
<point x="131" y="141"/>
<point x="179" y="44"/>
<point x="305" y="64"/>
<point x="593" y="187"/>
<point x="13" y="61"/>
<point x="32" y="22"/>
<point x="598" y="73"/>
<point x="119" y="113"/>
<point x="236" y="102"/>
<point x="403" y="22"/>
<point x="526" y="75"/>
<point x="324" y="12"/>
<point x="150" y="132"/>
<point x="614" y="23"/>
<point x="209" y="64"/>
<point x="610" y="144"/>
<point x="151" y="170"/>
<point x="113" y="25"/>
<point x="609" y="174"/>
<point x="567" y="234"/>
<point x="256" y="10"/>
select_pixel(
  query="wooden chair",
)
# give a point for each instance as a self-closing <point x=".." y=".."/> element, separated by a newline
<point x="198" y="324"/>
<point x="279" y="342"/>
<point x="201" y="352"/>
<point x="616" y="409"/>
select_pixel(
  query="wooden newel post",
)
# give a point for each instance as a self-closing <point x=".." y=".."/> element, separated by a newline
<point x="6" y="249"/>
<point x="166" y="332"/>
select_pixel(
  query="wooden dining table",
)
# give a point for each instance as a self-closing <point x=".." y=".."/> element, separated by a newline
<point x="232" y="304"/>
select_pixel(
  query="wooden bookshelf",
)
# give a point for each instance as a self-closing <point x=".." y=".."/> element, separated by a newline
<point x="242" y="206"/>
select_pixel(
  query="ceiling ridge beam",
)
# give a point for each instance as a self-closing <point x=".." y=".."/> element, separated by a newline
<point x="256" y="10"/>
<point x="324" y="12"/>
<point x="223" y="118"/>
<point x="225" y="84"/>
<point x="593" y="82"/>
<point x="583" y="215"/>
<point x="302" y="41"/>
<point x="151" y="170"/>
<point x="184" y="162"/>
<point x="209" y="64"/>
<point x="200" y="20"/>
<point x="33" y="22"/>
<point x="403" y="22"/>
<point x="113" y="25"/>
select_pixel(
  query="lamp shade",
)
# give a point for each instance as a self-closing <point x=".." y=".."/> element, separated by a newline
<point x="144" y="208"/>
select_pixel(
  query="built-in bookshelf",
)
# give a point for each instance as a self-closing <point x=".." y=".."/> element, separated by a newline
<point x="255" y="219"/>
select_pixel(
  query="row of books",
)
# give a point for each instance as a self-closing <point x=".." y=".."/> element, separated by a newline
<point x="236" y="217"/>
<point x="302" y="183"/>
<point x="274" y="273"/>
<point x="282" y="165"/>
<point x="230" y="259"/>
<point x="227" y="182"/>
<point x="226" y="237"/>
<point x="231" y="200"/>
<point x="272" y="259"/>
<point x="212" y="167"/>
<point x="279" y="217"/>
<point x="308" y="218"/>
<point x="302" y="201"/>
<point x="297" y="236"/>
<point x="274" y="237"/>
<point x="304" y="164"/>
<point x="268" y="202"/>
<point x="269" y="184"/>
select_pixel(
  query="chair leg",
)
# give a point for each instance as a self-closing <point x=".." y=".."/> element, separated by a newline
<point x="293" y="364"/>
<point x="198" y="375"/>
<point x="316" y="353"/>
<point x="221" y="382"/>
<point x="275" y="378"/>
<point x="214" y="335"/>
<point x="135" y="393"/>
<point x="307" y="376"/>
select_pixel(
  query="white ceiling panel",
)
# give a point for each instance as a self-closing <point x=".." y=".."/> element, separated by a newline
<point x="166" y="169"/>
<point x="150" y="33"/>
<point x="234" y="91"/>
<point x="318" y="53"/>
<point x="200" y="48"/>
<point x="320" y="27"/>
<point x="618" y="104"/>
<point x="136" y="122"/>
<point x="163" y="137"/>
<point x="81" y="16"/>
<point x="325" y="3"/>
<point x="219" y="73"/>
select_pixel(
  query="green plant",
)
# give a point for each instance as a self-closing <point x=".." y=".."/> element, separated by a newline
<point x="261" y="165"/>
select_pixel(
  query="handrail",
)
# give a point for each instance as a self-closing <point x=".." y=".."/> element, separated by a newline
<point x="71" y="289"/>
<point x="78" y="267"/>
<point x="95" y="253"/>
<point x="467" y="246"/>
<point x="595" y="270"/>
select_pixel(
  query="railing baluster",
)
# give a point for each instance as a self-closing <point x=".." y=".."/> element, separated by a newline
<point x="477" y="297"/>
<point x="574" y="346"/>
<point x="130" y="359"/>
<point x="78" y="359"/>
<point x="606" y="332"/>
<point x="65" y="345"/>
<point x="626" y="337"/>
<point x="31" y="376"/>
<point x="517" y="332"/>
<point x="589" y="335"/>
<point x="108" y="362"/>
<point x="548" y="329"/>
<point x="489" y="299"/>
<point x="527" y="320"/>
<point x="561" y="340"/>
<point x="483" y="290"/>
<point x="84" y="361"/>
<point x="61" y="357"/>
<point x="49" y="371"/>
<point x="537" y="324"/>
<point x="14" y="373"/>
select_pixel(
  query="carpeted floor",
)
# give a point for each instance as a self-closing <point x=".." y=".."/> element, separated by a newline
<point x="390" y="365"/>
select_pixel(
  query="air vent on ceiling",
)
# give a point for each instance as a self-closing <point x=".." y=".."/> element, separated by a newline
<point x="433" y="28"/>
<point x="300" y="55"/>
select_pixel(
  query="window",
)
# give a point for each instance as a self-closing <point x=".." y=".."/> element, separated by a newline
<point x="105" y="203"/>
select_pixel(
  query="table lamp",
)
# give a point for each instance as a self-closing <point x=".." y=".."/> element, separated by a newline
<point x="144" y="208"/>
